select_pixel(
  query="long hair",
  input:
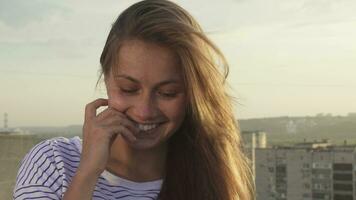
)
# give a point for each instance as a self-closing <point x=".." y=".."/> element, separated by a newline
<point x="205" y="159"/>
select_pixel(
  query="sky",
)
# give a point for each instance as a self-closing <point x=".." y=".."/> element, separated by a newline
<point x="287" y="57"/>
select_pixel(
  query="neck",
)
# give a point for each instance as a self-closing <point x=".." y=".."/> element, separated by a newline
<point x="136" y="164"/>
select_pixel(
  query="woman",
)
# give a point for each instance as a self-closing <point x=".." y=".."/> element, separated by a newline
<point x="168" y="131"/>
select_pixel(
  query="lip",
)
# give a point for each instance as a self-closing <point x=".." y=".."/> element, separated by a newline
<point x="147" y="122"/>
<point x="149" y="134"/>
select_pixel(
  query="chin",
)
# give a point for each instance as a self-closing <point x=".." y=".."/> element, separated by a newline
<point x="144" y="144"/>
<point x="152" y="140"/>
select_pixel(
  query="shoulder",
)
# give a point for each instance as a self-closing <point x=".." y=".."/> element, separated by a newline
<point x="47" y="167"/>
<point x="55" y="150"/>
<point x="64" y="146"/>
<point x="52" y="146"/>
<point x="62" y="152"/>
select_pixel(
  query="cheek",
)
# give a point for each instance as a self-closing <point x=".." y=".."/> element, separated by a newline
<point x="118" y="102"/>
<point x="176" y="111"/>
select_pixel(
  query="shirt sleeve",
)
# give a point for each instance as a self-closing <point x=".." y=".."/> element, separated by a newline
<point x="38" y="176"/>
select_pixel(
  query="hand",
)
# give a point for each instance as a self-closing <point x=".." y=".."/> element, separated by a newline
<point x="99" y="131"/>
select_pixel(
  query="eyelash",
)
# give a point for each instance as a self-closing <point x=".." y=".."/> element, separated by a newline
<point x="128" y="91"/>
<point x="166" y="95"/>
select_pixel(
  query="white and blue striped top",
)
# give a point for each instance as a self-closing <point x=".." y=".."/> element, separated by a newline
<point x="48" y="168"/>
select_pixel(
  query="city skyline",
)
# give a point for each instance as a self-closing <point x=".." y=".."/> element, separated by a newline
<point x="287" y="58"/>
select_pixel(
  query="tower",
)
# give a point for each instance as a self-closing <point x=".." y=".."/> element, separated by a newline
<point x="5" y="121"/>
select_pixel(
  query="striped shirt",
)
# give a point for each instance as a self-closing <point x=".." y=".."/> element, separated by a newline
<point x="47" y="170"/>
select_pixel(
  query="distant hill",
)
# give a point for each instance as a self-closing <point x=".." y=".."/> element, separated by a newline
<point x="296" y="129"/>
<point x="52" y="131"/>
<point x="280" y="130"/>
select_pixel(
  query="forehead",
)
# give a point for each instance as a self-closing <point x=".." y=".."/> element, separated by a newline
<point x="141" y="59"/>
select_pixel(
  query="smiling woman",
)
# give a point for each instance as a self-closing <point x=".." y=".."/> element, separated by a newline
<point x="168" y="131"/>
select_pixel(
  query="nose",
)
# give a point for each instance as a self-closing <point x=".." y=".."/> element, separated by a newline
<point x="145" y="108"/>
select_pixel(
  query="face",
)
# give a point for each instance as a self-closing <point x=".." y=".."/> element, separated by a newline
<point x="148" y="88"/>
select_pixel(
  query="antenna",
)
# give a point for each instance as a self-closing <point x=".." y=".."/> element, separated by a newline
<point x="5" y="120"/>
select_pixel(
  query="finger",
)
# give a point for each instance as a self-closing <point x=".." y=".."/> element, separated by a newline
<point x="108" y="112"/>
<point x="129" y="137"/>
<point x="90" y="109"/>
<point x="122" y="130"/>
<point x="123" y="121"/>
<point x="111" y="116"/>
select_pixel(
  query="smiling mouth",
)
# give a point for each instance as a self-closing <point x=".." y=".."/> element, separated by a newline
<point x="146" y="128"/>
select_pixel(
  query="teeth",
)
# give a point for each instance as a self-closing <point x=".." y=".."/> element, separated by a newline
<point x="146" y="127"/>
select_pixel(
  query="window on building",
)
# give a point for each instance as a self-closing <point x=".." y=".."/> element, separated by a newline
<point x="342" y="187"/>
<point x="342" y="177"/>
<point x="343" y="197"/>
<point x="342" y="166"/>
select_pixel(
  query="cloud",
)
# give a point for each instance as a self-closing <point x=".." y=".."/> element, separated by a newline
<point x="18" y="13"/>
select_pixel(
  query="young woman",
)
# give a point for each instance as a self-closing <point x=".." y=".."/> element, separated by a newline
<point x="168" y="131"/>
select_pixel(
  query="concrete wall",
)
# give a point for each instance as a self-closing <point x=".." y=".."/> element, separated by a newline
<point x="12" y="150"/>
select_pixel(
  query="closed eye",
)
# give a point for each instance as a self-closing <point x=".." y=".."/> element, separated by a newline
<point x="129" y="91"/>
<point x="168" y="94"/>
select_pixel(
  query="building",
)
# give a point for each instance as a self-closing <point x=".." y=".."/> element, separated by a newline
<point x="6" y="130"/>
<point x="306" y="171"/>
<point x="251" y="141"/>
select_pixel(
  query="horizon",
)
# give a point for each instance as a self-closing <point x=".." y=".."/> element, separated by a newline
<point x="350" y="114"/>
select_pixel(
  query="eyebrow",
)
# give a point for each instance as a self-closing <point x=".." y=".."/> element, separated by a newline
<point x="165" y="82"/>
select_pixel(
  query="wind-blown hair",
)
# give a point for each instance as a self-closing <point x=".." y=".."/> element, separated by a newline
<point x="205" y="159"/>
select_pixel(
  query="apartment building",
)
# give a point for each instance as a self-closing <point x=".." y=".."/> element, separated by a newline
<point x="306" y="171"/>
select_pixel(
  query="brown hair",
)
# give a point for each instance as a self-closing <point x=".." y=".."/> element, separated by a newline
<point x="205" y="158"/>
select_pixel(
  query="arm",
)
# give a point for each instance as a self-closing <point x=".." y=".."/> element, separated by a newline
<point x="82" y="186"/>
